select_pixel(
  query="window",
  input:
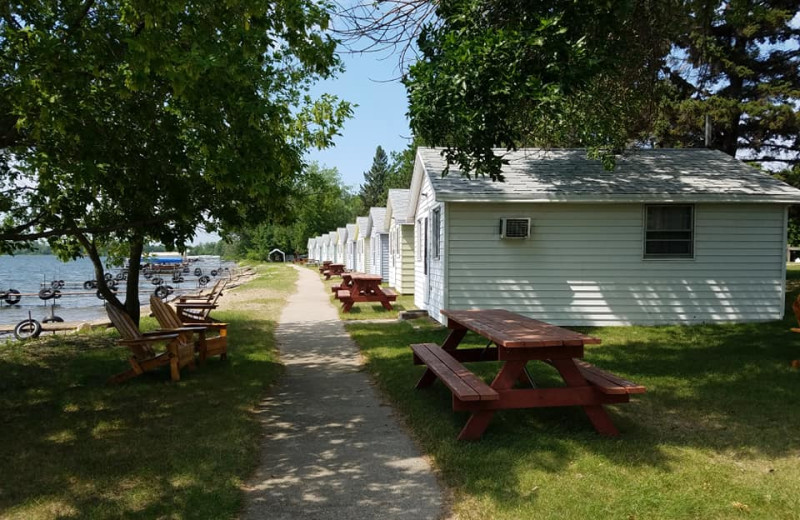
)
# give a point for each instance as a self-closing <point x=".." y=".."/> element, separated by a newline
<point x="418" y="232"/>
<point x="669" y="231"/>
<point x="436" y="225"/>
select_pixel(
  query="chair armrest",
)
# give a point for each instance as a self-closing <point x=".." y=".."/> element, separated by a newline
<point x="186" y="328"/>
<point x="207" y="325"/>
<point x="195" y="306"/>
<point x="147" y="339"/>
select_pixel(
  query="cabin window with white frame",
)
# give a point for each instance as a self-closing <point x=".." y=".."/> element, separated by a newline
<point x="669" y="231"/>
<point x="436" y="229"/>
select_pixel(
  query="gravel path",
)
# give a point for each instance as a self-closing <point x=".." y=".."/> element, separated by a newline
<point x="331" y="449"/>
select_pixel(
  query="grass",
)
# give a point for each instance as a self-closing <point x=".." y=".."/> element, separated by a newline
<point x="77" y="448"/>
<point x="368" y="311"/>
<point x="716" y="436"/>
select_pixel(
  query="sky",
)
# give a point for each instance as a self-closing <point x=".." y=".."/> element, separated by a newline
<point x="369" y="81"/>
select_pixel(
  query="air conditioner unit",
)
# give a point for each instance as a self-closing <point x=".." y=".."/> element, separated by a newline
<point x="515" y="227"/>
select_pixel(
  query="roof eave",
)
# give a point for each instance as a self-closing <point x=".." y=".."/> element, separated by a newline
<point x="639" y="197"/>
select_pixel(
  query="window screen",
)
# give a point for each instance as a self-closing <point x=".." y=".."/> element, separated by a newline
<point x="669" y="231"/>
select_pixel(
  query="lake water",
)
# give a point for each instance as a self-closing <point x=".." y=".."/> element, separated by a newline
<point x="27" y="273"/>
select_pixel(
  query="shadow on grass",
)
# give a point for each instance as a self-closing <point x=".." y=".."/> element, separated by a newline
<point x="714" y="388"/>
<point x="148" y="448"/>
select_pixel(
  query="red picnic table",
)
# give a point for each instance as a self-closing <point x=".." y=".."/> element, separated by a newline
<point x="324" y="266"/>
<point x="347" y="282"/>
<point x="333" y="269"/>
<point x="365" y="288"/>
<point x="517" y="340"/>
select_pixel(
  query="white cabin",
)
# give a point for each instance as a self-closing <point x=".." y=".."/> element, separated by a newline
<point x="401" y="242"/>
<point x="378" y="243"/>
<point x="362" y="244"/>
<point x="341" y="242"/>
<point x="350" y="248"/>
<point x="668" y="236"/>
<point x="333" y="246"/>
<point x="310" y="249"/>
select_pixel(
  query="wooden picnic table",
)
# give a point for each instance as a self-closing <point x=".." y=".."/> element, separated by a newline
<point x="347" y="282"/>
<point x="365" y="288"/>
<point x="333" y="269"/>
<point x="514" y="340"/>
<point x="324" y="266"/>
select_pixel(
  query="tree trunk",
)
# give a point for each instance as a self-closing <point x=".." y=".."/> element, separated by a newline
<point x="132" y="306"/>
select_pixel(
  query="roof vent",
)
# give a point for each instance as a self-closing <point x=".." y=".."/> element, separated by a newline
<point x="515" y="227"/>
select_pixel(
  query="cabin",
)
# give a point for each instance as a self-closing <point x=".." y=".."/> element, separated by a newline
<point x="362" y="244"/>
<point x="666" y="237"/>
<point x="333" y="240"/>
<point x="310" y="249"/>
<point x="401" y="241"/>
<point x="325" y="240"/>
<point x="350" y="248"/>
<point x="341" y="242"/>
<point x="379" y="243"/>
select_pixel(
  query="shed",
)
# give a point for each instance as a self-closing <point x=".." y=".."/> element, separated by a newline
<point x="350" y="248"/>
<point x="379" y="243"/>
<point x="362" y="243"/>
<point x="333" y="248"/>
<point x="668" y="236"/>
<point x="401" y="241"/>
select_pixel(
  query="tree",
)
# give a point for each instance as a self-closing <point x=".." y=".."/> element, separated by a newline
<point x="125" y="121"/>
<point x="322" y="203"/>
<point x="373" y="191"/>
<point x="736" y="62"/>
<point x="510" y="73"/>
<point x="402" y="169"/>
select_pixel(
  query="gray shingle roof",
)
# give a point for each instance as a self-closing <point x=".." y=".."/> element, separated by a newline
<point x="363" y="226"/>
<point x="568" y="175"/>
<point x="377" y="215"/>
<point x="399" y="202"/>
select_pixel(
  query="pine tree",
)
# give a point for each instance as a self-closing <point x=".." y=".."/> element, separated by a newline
<point x="373" y="191"/>
<point x="736" y="62"/>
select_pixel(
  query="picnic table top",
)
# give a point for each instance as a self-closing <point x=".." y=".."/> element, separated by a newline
<point x="366" y="277"/>
<point x="510" y="330"/>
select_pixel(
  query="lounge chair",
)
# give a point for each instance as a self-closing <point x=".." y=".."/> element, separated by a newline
<point x="179" y="351"/>
<point x="205" y="346"/>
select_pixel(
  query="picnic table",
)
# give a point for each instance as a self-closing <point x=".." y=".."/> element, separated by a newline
<point x="365" y="288"/>
<point x="347" y="282"/>
<point x="324" y="266"/>
<point x="514" y="340"/>
<point x="332" y="270"/>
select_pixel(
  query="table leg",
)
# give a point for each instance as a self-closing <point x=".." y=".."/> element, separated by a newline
<point x="450" y="344"/>
<point x="479" y="421"/>
<point x="596" y="413"/>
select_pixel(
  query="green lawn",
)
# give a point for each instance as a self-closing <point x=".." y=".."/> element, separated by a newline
<point x="716" y="436"/>
<point x="369" y="311"/>
<point x="74" y="447"/>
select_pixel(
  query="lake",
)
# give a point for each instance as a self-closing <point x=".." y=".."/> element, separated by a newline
<point x="27" y="273"/>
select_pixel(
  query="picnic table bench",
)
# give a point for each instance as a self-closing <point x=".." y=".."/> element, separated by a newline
<point x="515" y="340"/>
<point x="365" y="288"/>
<point x="347" y="282"/>
<point x="333" y="269"/>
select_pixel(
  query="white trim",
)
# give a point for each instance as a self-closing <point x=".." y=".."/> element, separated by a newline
<point x="650" y="198"/>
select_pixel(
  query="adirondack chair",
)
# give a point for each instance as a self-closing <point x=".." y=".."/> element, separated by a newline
<point x="205" y="296"/>
<point x="197" y="312"/>
<point x="204" y="345"/>
<point x="179" y="352"/>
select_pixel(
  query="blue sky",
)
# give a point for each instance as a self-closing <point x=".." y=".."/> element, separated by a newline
<point x="370" y="81"/>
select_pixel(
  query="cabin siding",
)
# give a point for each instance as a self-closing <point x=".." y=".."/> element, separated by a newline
<point x="363" y="254"/>
<point x="380" y="255"/>
<point x="583" y="264"/>
<point x="434" y="282"/>
<point x="401" y="253"/>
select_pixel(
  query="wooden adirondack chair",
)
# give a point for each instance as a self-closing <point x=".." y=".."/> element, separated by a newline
<point x="197" y="312"/>
<point x="204" y="345"/>
<point x="179" y="352"/>
<point x="205" y="296"/>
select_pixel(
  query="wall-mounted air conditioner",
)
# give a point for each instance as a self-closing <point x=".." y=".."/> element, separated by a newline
<point x="515" y="227"/>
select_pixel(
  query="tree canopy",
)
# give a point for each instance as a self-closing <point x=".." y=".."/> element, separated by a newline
<point x="125" y="121"/>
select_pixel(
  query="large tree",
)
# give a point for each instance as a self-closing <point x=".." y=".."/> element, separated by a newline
<point x="373" y="191"/>
<point x="737" y="63"/>
<point x="125" y="121"/>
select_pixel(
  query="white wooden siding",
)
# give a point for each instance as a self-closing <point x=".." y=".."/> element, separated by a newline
<point x="583" y="265"/>
<point x="435" y="284"/>
<point x="363" y="253"/>
<point x="379" y="263"/>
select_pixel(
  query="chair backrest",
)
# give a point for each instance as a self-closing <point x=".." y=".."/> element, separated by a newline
<point x="165" y="315"/>
<point x="128" y="330"/>
<point x="796" y="308"/>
